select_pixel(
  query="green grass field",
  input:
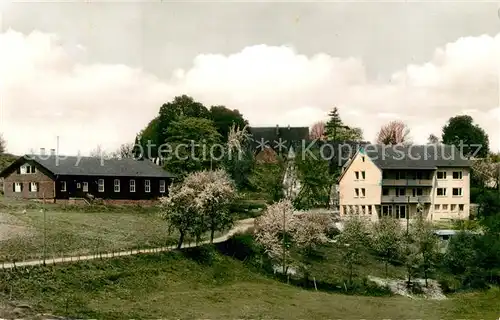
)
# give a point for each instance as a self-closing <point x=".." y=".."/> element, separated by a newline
<point x="183" y="286"/>
<point x="71" y="230"/>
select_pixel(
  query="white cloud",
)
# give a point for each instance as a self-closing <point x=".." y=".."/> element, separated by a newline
<point x="47" y="90"/>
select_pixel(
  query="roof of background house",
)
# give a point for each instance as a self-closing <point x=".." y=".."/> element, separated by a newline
<point x="90" y="166"/>
<point x="270" y="136"/>
<point x="415" y="156"/>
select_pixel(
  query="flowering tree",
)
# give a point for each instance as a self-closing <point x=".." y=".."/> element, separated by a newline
<point x="273" y="230"/>
<point x="238" y="158"/>
<point x="214" y="193"/>
<point x="317" y="131"/>
<point x="280" y="229"/>
<point x="199" y="204"/>
<point x="178" y="210"/>
<point x="395" y="132"/>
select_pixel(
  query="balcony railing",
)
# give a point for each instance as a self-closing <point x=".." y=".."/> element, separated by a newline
<point x="409" y="182"/>
<point x="406" y="199"/>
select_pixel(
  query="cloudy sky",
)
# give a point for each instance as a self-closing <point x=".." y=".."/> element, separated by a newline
<point x="95" y="73"/>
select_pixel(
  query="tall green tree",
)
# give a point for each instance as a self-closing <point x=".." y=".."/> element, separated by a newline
<point x="426" y="244"/>
<point x="155" y="133"/>
<point x="268" y="178"/>
<point x="225" y="118"/>
<point x="181" y="106"/>
<point x="387" y="240"/>
<point x="461" y="130"/>
<point x="354" y="239"/>
<point x="314" y="178"/>
<point x="191" y="146"/>
<point x="336" y="130"/>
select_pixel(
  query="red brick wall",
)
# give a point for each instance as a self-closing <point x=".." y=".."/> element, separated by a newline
<point x="45" y="185"/>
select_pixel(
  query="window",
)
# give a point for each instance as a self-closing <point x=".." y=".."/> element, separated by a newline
<point x="418" y="175"/>
<point x="147" y="186"/>
<point x="33" y="186"/>
<point x="78" y="185"/>
<point x="457" y="191"/>
<point x="132" y="185"/>
<point x="344" y="208"/>
<point x="162" y="186"/>
<point x="85" y="187"/>
<point x="363" y="175"/>
<point x="387" y="210"/>
<point x="418" y="192"/>
<point x="363" y="209"/>
<point x="356" y="174"/>
<point x="461" y="207"/>
<point x="369" y="209"/>
<point x="385" y="191"/>
<point x="18" y="187"/>
<point x="63" y="186"/>
<point x="363" y="158"/>
<point x="26" y="169"/>
<point x="441" y="192"/>
<point x="401" y="212"/>
<point x="356" y="191"/>
<point x="100" y="184"/>
<point x="401" y="175"/>
<point x="453" y="207"/>
<point x="445" y="207"/>
<point x="117" y="185"/>
<point x="400" y="192"/>
<point x="457" y="175"/>
<point x="363" y="192"/>
<point x="437" y="207"/>
<point x="441" y="175"/>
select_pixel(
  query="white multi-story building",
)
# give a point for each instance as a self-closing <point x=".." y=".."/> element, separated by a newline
<point x="396" y="181"/>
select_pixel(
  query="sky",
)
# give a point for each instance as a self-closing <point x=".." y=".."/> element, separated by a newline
<point x="95" y="73"/>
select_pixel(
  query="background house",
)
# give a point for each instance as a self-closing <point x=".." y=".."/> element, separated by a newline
<point x="56" y="178"/>
<point x="393" y="180"/>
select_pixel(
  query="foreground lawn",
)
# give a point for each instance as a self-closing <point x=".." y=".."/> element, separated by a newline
<point x="196" y="284"/>
<point x="78" y="231"/>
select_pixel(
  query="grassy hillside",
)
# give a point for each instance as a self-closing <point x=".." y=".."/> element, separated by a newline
<point x="72" y="232"/>
<point x="201" y="283"/>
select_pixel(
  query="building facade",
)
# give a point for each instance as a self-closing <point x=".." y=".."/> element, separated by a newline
<point x="55" y="178"/>
<point x="387" y="181"/>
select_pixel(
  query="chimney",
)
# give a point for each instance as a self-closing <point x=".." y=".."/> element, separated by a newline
<point x="52" y="152"/>
<point x="42" y="151"/>
<point x="277" y="129"/>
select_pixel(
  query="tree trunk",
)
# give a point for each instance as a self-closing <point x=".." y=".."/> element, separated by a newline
<point x="212" y="232"/>
<point x="181" y="240"/>
<point x="386" y="267"/>
<point x="350" y="276"/>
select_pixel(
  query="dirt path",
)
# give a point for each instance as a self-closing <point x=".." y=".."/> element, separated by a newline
<point x="240" y="226"/>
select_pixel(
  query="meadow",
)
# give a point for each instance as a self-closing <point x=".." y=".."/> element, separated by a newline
<point x="204" y="283"/>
